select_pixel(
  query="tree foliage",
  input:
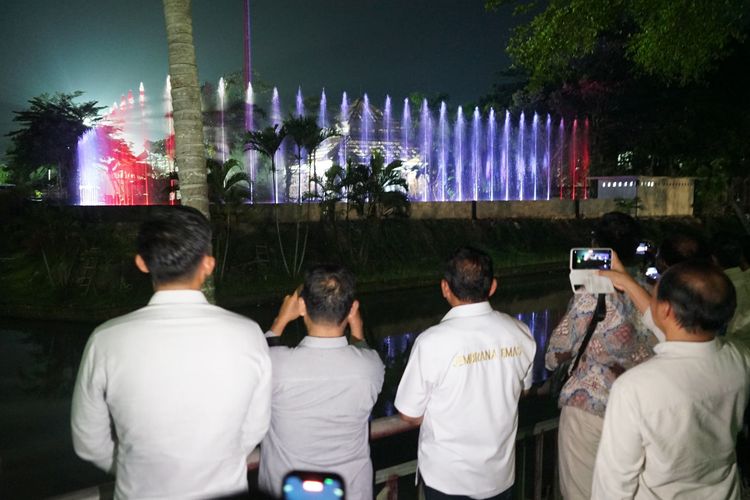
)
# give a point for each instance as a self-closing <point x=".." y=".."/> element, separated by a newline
<point x="675" y="40"/>
<point x="49" y="133"/>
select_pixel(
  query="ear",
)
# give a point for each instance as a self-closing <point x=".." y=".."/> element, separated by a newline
<point x="207" y="265"/>
<point x="302" y="307"/>
<point x="141" y="264"/>
<point x="493" y="287"/>
<point x="445" y="289"/>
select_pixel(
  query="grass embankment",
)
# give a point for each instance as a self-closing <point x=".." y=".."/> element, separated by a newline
<point x="74" y="263"/>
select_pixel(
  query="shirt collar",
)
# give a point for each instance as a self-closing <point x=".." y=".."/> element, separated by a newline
<point x="177" y="297"/>
<point x="468" y="310"/>
<point x="324" y="342"/>
<point x="671" y="348"/>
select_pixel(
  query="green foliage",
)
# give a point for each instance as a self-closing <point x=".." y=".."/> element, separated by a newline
<point x="49" y="134"/>
<point x="228" y="183"/>
<point x="5" y="174"/>
<point x="377" y="190"/>
<point x="675" y="40"/>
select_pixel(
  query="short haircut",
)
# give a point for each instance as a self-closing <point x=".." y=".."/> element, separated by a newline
<point x="620" y="232"/>
<point x="679" y="247"/>
<point x="172" y="243"/>
<point x="701" y="295"/>
<point x="469" y="274"/>
<point x="328" y="293"/>
<point x="728" y="250"/>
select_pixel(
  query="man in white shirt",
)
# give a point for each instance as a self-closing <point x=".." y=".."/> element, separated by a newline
<point x="672" y="422"/>
<point x="323" y="390"/>
<point x="462" y="384"/>
<point x="173" y="397"/>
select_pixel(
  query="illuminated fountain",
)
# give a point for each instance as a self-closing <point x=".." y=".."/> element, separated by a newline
<point x="445" y="155"/>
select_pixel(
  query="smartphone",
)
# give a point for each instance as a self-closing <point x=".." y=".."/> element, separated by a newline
<point x="590" y="258"/>
<point x="644" y="247"/>
<point x="300" y="485"/>
<point x="652" y="273"/>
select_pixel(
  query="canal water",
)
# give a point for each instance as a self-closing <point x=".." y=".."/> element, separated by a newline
<point x="39" y="361"/>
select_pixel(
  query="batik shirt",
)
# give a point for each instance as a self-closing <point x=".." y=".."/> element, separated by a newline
<point x="619" y="342"/>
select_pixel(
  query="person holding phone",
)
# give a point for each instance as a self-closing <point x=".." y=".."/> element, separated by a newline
<point x="323" y="390"/>
<point x="619" y="342"/>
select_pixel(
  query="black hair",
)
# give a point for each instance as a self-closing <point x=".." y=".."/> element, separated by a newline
<point x="728" y="250"/>
<point x="701" y="295"/>
<point x="172" y="243"/>
<point x="328" y="292"/>
<point x="620" y="232"/>
<point x="679" y="247"/>
<point x="469" y="274"/>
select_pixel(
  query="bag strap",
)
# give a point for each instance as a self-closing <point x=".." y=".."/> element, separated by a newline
<point x="599" y="313"/>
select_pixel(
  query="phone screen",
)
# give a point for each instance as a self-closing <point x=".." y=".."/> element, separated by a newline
<point x="299" y="485"/>
<point x="591" y="258"/>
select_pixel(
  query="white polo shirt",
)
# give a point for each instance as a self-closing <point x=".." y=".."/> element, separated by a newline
<point x="672" y="422"/>
<point x="465" y="376"/>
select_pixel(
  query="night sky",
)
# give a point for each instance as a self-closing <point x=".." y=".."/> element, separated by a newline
<point x="106" y="48"/>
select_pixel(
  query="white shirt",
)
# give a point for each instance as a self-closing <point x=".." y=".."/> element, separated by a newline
<point x="465" y="375"/>
<point x="323" y="393"/>
<point x="671" y="425"/>
<point x="187" y="386"/>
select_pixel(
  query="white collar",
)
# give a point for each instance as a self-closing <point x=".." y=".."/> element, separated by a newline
<point x="676" y="349"/>
<point x="468" y="310"/>
<point x="177" y="297"/>
<point x="324" y="342"/>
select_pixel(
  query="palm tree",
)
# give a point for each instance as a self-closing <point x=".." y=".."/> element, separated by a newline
<point x="267" y="142"/>
<point x="188" y="118"/>
<point x="303" y="130"/>
<point x="228" y="187"/>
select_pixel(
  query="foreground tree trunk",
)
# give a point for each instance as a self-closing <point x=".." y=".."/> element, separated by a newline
<point x="186" y="102"/>
<point x="190" y="157"/>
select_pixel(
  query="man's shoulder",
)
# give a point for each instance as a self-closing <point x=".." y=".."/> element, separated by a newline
<point x="222" y="320"/>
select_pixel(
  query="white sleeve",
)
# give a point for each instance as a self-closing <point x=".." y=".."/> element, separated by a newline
<point x="89" y="418"/>
<point x="416" y="383"/>
<point x="620" y="457"/>
<point x="258" y="417"/>
<point x="648" y="321"/>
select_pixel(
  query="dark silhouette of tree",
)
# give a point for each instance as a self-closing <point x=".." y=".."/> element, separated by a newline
<point x="49" y="133"/>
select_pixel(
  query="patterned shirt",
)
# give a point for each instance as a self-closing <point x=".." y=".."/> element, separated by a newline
<point x="619" y="342"/>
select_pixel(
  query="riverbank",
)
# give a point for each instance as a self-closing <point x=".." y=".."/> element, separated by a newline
<point x="67" y="264"/>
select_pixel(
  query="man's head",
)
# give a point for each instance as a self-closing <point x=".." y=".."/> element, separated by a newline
<point x="328" y="294"/>
<point x="728" y="251"/>
<point x="620" y="232"/>
<point x="694" y="299"/>
<point x="174" y="246"/>
<point x="468" y="277"/>
<point x="679" y="247"/>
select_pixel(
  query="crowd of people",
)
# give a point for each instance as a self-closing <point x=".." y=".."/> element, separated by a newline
<point x="173" y="397"/>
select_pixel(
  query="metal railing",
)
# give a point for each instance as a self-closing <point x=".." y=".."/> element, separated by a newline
<point x="533" y="474"/>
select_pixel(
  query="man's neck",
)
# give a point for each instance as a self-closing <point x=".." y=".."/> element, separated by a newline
<point x="325" y="331"/>
<point x="681" y="335"/>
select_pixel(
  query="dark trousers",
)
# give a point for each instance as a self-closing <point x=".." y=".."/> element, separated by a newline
<point x="433" y="494"/>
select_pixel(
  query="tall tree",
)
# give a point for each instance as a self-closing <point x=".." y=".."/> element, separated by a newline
<point x="188" y="119"/>
<point x="675" y="40"/>
<point x="49" y="133"/>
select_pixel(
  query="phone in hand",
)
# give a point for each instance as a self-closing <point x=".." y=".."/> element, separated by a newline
<point x="302" y="485"/>
<point x="590" y="258"/>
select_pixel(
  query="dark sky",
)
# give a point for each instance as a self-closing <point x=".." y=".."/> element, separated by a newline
<point x="105" y="47"/>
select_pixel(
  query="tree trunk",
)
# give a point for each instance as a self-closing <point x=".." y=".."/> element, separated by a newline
<point x="186" y="102"/>
<point x="190" y="155"/>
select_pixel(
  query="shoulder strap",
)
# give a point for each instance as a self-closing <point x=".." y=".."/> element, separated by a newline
<point x="599" y="314"/>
